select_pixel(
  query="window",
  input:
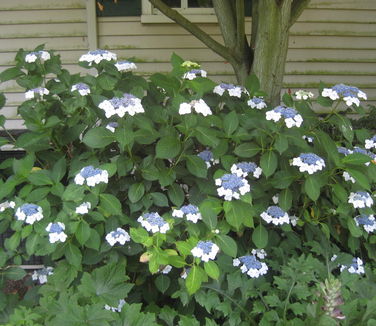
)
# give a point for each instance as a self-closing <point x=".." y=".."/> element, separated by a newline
<point x="111" y="8"/>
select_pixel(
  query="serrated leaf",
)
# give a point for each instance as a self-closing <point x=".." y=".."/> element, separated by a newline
<point x="210" y="209"/>
<point x="252" y="83"/>
<point x="82" y="232"/>
<point x="73" y="193"/>
<point x="359" y="177"/>
<point x="107" y="82"/>
<point x="312" y="187"/>
<point x="230" y="123"/>
<point x="356" y="159"/>
<point x="206" y="136"/>
<point x="281" y="143"/>
<point x="285" y="199"/>
<point x="14" y="273"/>
<point x="168" y="147"/>
<point x="139" y="235"/>
<point x="236" y="212"/>
<point x="211" y="268"/>
<point x="159" y="199"/>
<point x="176" y="194"/>
<point x="73" y="255"/>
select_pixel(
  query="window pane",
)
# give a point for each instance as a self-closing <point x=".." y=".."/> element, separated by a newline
<point x="200" y="3"/>
<point x="173" y="3"/>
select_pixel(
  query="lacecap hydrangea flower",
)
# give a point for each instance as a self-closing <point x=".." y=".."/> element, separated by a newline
<point x="259" y="253"/>
<point x="275" y="215"/>
<point x="97" y="56"/>
<point x="41" y="275"/>
<point x="190" y="65"/>
<point x="308" y="162"/>
<point x="205" y="250"/>
<point x="251" y="265"/>
<point x="356" y="267"/>
<point x="197" y="105"/>
<point x="153" y="222"/>
<point x="125" y="65"/>
<point x="119" y="235"/>
<point x="82" y="88"/>
<point x="7" y="204"/>
<point x="343" y="150"/>
<point x="242" y="169"/>
<point x="121" y="105"/>
<point x="367" y="221"/>
<point x="231" y="89"/>
<point x="116" y="309"/>
<point x="39" y="91"/>
<point x="370" y="143"/>
<point x="348" y="177"/>
<point x="303" y="95"/>
<point x="30" y="213"/>
<point x="194" y="73"/>
<point x="56" y="232"/>
<point x="291" y="116"/>
<point x="112" y="126"/>
<point x="83" y="208"/>
<point x="350" y="94"/>
<point x="41" y="55"/>
<point x="208" y="157"/>
<point x="360" y="199"/>
<point x="257" y="103"/>
<point x="91" y="175"/>
<point x="190" y="211"/>
<point x="232" y="186"/>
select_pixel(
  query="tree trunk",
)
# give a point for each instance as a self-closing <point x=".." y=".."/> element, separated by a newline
<point x="271" y="20"/>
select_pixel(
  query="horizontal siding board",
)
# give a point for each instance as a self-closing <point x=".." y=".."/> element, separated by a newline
<point x="40" y="4"/>
<point x="337" y="15"/>
<point x="343" y="4"/>
<point x="328" y="28"/>
<point x="42" y="16"/>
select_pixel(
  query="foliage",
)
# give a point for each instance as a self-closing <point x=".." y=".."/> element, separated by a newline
<point x="149" y="164"/>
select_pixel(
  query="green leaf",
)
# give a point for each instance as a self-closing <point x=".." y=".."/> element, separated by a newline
<point x="230" y="123"/>
<point x="23" y="166"/>
<point x="340" y="192"/>
<point x="287" y="100"/>
<point x="206" y="136"/>
<point x="94" y="240"/>
<point x="109" y="205"/>
<point x="124" y="136"/>
<point x="162" y="282"/>
<point x="59" y="170"/>
<point x="73" y="255"/>
<point x="10" y="73"/>
<point x="260" y="236"/>
<point x="168" y="147"/>
<point x="40" y="178"/>
<point x="344" y="125"/>
<point x="354" y="230"/>
<point x="139" y="235"/>
<point x="247" y="150"/>
<point x="33" y="142"/>
<point x="312" y="187"/>
<point x="176" y="194"/>
<point x="196" y="166"/>
<point x="227" y="245"/>
<point x="159" y="199"/>
<point x="237" y="212"/>
<point x="285" y="199"/>
<point x="13" y="242"/>
<point x="210" y="209"/>
<point x="211" y="268"/>
<point x="98" y="137"/>
<point x="194" y="279"/>
<point x="14" y="273"/>
<point x="269" y="163"/>
<point x="252" y="84"/>
<point x="281" y="143"/>
<point x="2" y="103"/>
<point x="131" y="316"/>
<point x="73" y="193"/>
<point x="359" y="177"/>
<point x="107" y="82"/>
<point x="83" y="232"/>
<point x="329" y="146"/>
<point x="356" y="159"/>
<point x="184" y="247"/>
<point x="38" y="194"/>
<point x="136" y="191"/>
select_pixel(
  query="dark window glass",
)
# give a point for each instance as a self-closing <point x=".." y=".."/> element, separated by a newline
<point x="200" y="3"/>
<point x="173" y="3"/>
<point x="111" y="8"/>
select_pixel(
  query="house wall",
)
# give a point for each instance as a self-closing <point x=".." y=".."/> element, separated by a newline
<point x="334" y="41"/>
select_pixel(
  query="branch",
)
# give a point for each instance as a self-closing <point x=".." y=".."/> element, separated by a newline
<point x="240" y="23"/>
<point x="227" y="22"/>
<point x="297" y="8"/>
<point x="193" y="29"/>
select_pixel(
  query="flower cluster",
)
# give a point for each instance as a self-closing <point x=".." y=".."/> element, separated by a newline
<point x="125" y="65"/>
<point x="331" y="291"/>
<point x="370" y="143"/>
<point x="356" y="267"/>
<point x="112" y="126"/>
<point x="190" y="211"/>
<point x="30" y="213"/>
<point x="7" y="204"/>
<point x="251" y="265"/>
<point x="231" y="89"/>
<point x="153" y="222"/>
<point x="97" y="56"/>
<point x="82" y="88"/>
<point x="360" y="199"/>
<point x="308" y="162"/>
<point x="275" y="215"/>
<point x="190" y="65"/>
<point x="347" y="177"/>
<point x="259" y="253"/>
<point x="350" y="94"/>
<point x="257" y="103"/>
<point x="242" y="169"/>
<point x="41" y="55"/>
<point x="116" y="309"/>
<point x="232" y="186"/>
<point x="291" y="116"/>
<point x="56" y="232"/>
<point x="198" y="105"/>
<point x="30" y="94"/>
<point x="119" y="235"/>
<point x="91" y="175"/>
<point x="192" y="74"/>
<point x="83" y="208"/>
<point x="205" y="250"/>
<point x="303" y="95"/>
<point x="367" y="221"/>
<point x="42" y="274"/>
<point x="120" y="105"/>
<point x="208" y="157"/>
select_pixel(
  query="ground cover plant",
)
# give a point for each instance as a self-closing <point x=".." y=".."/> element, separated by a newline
<point x="172" y="200"/>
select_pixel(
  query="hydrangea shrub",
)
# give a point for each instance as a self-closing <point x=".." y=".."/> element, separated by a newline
<point x="171" y="200"/>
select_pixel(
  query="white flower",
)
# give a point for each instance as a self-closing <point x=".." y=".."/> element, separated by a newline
<point x="360" y="199"/>
<point x="208" y="157"/>
<point x="185" y="273"/>
<point x="33" y="56"/>
<point x="275" y="215"/>
<point x="91" y="175"/>
<point x="356" y="267"/>
<point x="116" y="309"/>
<point x="97" y="56"/>
<point x="190" y="211"/>
<point x="30" y="213"/>
<point x="348" y="177"/>
<point x="291" y="116"/>
<point x="112" y="126"/>
<point x="153" y="222"/>
<point x="7" y="204"/>
<point x="350" y="94"/>
<point x="294" y="220"/>
<point x="119" y="235"/>
<point x="309" y="162"/>
<point x="42" y="274"/>
<point x="232" y="90"/>
<point x="198" y="105"/>
<point x="367" y="221"/>
<point x="309" y="139"/>
<point x="83" y="208"/>
<point x="232" y="186"/>
<point x="303" y="95"/>
<point x="257" y="103"/>
<point x="167" y="269"/>
<point x="205" y="250"/>
<point x="124" y="66"/>
<point x="82" y="88"/>
<point x="192" y="74"/>
<point x="121" y="105"/>
<point x="242" y="169"/>
<point x="56" y="232"/>
<point x="251" y="265"/>
<point x="370" y="143"/>
<point x="30" y="94"/>
<point x="259" y="253"/>
<point x="275" y="199"/>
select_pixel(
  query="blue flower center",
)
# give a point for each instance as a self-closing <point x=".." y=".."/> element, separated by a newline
<point x="205" y="246"/>
<point x="232" y="182"/>
<point x="275" y="212"/>
<point x="82" y="86"/>
<point x="257" y="100"/>
<point x="227" y="86"/>
<point x="154" y="219"/>
<point x="246" y="166"/>
<point x="206" y="155"/>
<point x="364" y="220"/>
<point x="56" y="228"/>
<point x="189" y="209"/>
<point x="310" y="158"/>
<point x="29" y="209"/>
<point x="90" y="171"/>
<point x="344" y="90"/>
<point x="250" y="262"/>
